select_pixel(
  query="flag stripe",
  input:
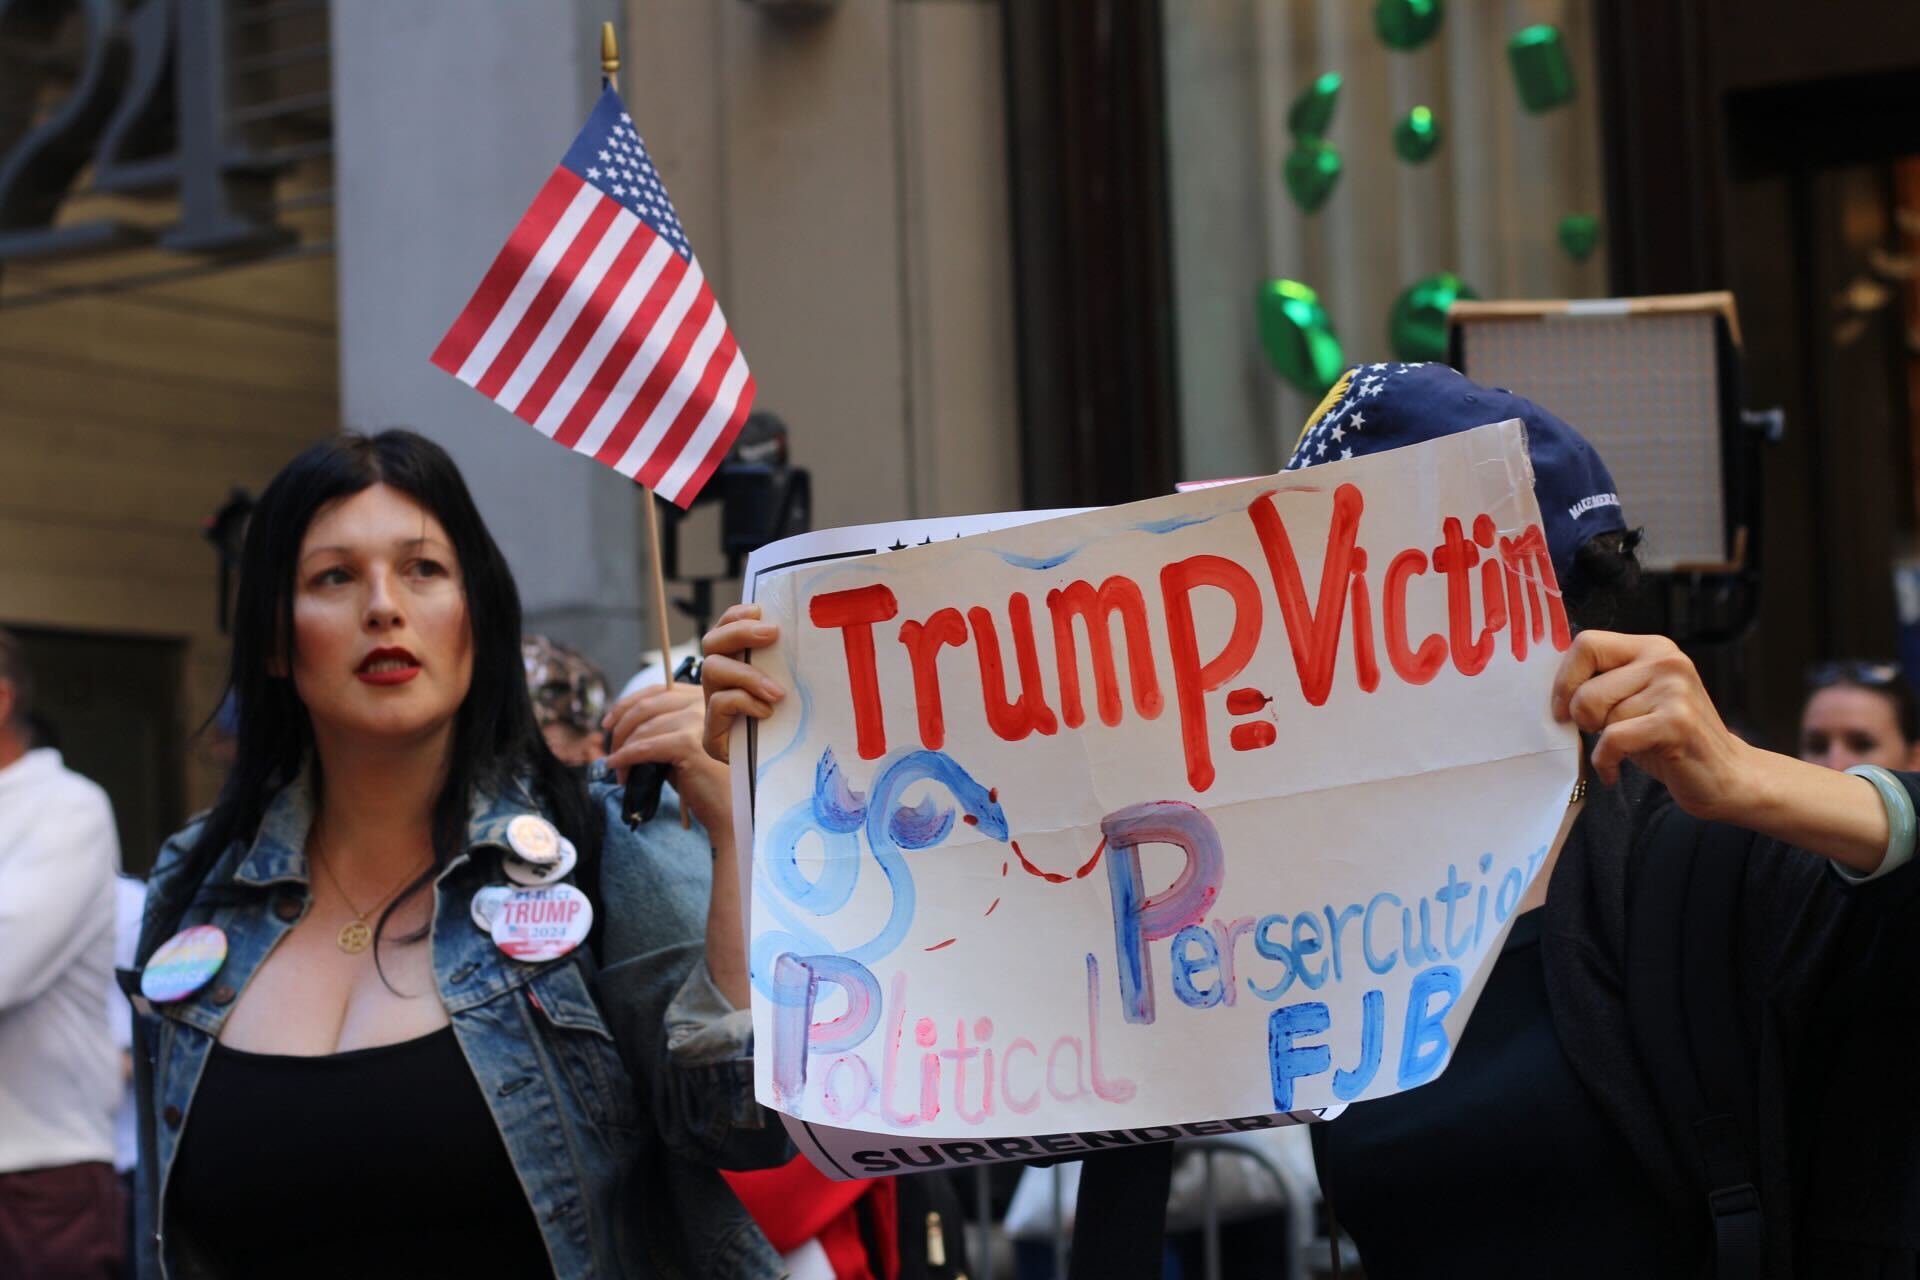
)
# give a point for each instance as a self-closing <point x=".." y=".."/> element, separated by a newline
<point x="586" y="239"/>
<point x="598" y="367"/>
<point x="512" y="261"/>
<point x="610" y="240"/>
<point x="539" y="267"/>
<point x="728" y="415"/>
<point x="595" y="325"/>
<point x="627" y="364"/>
<point x="687" y="376"/>
<point x="607" y="437"/>
<point x="692" y="407"/>
<point x="595" y="318"/>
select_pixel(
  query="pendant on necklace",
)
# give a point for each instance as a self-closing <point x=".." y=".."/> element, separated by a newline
<point x="354" y="937"/>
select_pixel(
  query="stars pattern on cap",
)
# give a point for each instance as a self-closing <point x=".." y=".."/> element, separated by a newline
<point x="1326" y="440"/>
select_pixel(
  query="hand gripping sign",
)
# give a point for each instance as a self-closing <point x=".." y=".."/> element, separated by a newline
<point x="1204" y="812"/>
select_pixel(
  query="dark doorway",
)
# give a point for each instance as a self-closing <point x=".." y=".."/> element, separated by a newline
<point x="1816" y="254"/>
<point x="111" y="704"/>
<point x="1760" y="146"/>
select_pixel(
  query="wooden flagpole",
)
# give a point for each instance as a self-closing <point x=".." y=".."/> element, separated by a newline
<point x="656" y="572"/>
<point x="650" y="518"/>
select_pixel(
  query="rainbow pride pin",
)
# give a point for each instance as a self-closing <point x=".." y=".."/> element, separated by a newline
<point x="184" y="963"/>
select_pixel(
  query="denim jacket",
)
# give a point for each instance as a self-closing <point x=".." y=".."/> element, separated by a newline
<point x="617" y="1092"/>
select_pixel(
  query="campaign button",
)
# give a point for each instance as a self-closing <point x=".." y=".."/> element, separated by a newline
<point x="542" y="924"/>
<point x="184" y="964"/>
<point x="485" y="902"/>
<point x="534" y="840"/>
<point x="522" y="873"/>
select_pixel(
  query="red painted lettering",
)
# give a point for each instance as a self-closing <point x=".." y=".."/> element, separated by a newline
<point x="1528" y="561"/>
<point x="1095" y="609"/>
<point x="854" y="612"/>
<point x="1192" y="679"/>
<point x="923" y="641"/>
<point x="1493" y="597"/>
<point x="1411" y="666"/>
<point x="1313" y="633"/>
<point x="1366" y="666"/>
<point x="1456" y="558"/>
<point x="1030" y="713"/>
<point x="1254" y="736"/>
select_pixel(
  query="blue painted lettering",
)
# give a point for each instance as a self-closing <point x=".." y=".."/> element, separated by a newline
<point x="1287" y="1061"/>
<point x="1187" y="965"/>
<point x="1423" y="1049"/>
<point x="1273" y="949"/>
<point x="1348" y="1085"/>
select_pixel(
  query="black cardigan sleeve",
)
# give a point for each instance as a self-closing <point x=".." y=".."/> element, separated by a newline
<point x="1827" y="983"/>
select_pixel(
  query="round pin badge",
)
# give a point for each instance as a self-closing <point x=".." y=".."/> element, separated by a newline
<point x="184" y="964"/>
<point x="534" y="840"/>
<point x="486" y="901"/>
<point x="522" y="873"/>
<point x="542" y="924"/>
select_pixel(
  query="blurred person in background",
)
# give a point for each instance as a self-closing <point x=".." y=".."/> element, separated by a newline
<point x="1859" y="712"/>
<point x="62" y="1211"/>
<point x="569" y="699"/>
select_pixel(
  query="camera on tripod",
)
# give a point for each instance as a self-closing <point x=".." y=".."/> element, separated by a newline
<point x="761" y="497"/>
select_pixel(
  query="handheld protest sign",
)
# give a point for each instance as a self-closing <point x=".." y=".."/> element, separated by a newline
<point x="1205" y="811"/>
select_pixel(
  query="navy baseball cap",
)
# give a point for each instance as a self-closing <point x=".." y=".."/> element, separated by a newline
<point x="1376" y="407"/>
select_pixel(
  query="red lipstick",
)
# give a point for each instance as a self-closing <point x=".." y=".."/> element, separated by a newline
<point x="388" y="667"/>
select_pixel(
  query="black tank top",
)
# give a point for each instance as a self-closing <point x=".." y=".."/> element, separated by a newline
<point x="375" y="1162"/>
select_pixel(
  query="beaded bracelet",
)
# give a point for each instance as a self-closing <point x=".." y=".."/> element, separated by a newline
<point x="1900" y="822"/>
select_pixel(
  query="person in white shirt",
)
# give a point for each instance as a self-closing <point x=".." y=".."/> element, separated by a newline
<point x="61" y="1207"/>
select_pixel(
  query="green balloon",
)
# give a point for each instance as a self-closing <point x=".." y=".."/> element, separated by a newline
<point x="1417" y="329"/>
<point x="1542" y="72"/>
<point x="1312" y="112"/>
<point x="1297" y="336"/>
<point x="1311" y="170"/>
<point x="1406" y="24"/>
<point x="1417" y="136"/>
<point x="1579" y="234"/>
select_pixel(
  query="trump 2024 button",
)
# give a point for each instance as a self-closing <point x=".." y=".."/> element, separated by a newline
<point x="542" y="924"/>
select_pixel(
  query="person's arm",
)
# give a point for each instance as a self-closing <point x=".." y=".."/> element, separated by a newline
<point x="1642" y="696"/>
<point x="55" y="892"/>
<point x="666" y="723"/>
<point x="687" y="1042"/>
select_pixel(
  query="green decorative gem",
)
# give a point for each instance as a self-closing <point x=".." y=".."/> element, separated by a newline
<point x="1417" y="329"/>
<point x="1311" y="171"/>
<point x="1406" y="24"/>
<point x="1579" y="234"/>
<point x="1417" y="136"/>
<point x="1542" y="72"/>
<point x="1312" y="112"/>
<point x="1297" y="336"/>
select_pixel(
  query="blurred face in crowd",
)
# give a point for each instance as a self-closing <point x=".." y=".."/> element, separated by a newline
<point x="571" y="747"/>
<point x="382" y="643"/>
<point x="1844" y="725"/>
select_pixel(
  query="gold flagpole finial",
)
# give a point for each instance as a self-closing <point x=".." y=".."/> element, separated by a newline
<point x="609" y="50"/>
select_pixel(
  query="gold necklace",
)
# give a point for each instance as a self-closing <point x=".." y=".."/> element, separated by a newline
<point x="356" y="935"/>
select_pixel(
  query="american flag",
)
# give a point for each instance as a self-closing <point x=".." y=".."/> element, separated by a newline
<point x="596" y="327"/>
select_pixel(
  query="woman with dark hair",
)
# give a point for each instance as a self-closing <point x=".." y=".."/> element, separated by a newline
<point x="426" y="1006"/>
<point x="1676" y="1065"/>
<point x="1859" y="712"/>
